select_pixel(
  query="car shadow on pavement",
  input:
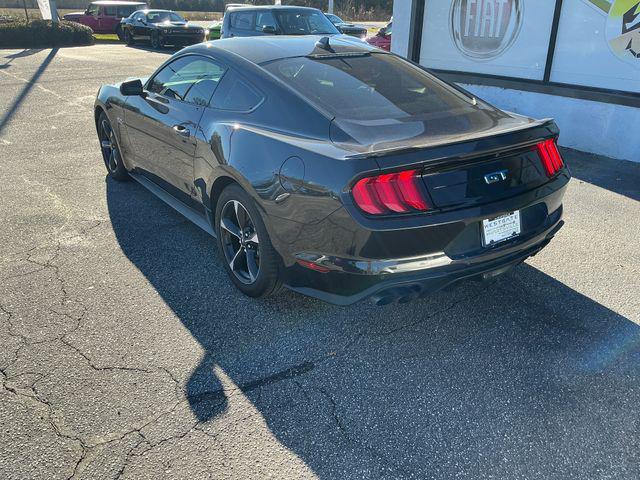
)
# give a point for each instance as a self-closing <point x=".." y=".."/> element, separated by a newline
<point x="509" y="379"/>
<point x="147" y="48"/>
<point x="619" y="176"/>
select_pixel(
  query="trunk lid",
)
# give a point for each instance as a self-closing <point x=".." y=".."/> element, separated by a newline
<point x="463" y="167"/>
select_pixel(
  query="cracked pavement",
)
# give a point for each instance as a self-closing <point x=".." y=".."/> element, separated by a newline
<point x="126" y="353"/>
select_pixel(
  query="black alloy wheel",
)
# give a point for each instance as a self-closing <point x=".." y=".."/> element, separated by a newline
<point x="128" y="38"/>
<point x="240" y="242"/>
<point x="156" y="44"/>
<point x="110" y="151"/>
<point x="250" y="260"/>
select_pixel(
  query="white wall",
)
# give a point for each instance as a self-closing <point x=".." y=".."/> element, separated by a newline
<point x="401" y="27"/>
<point x="595" y="127"/>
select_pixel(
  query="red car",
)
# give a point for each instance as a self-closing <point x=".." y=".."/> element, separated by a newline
<point x="382" y="39"/>
<point x="104" y="16"/>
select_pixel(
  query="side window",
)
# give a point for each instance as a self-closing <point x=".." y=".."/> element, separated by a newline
<point x="265" y="19"/>
<point x="139" y="16"/>
<point x="242" y="20"/>
<point x="190" y="79"/>
<point x="109" y="11"/>
<point x="236" y="94"/>
<point x="124" y="12"/>
<point x="93" y="10"/>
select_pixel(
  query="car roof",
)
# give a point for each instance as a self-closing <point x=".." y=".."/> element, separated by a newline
<point x="117" y="2"/>
<point x="269" y="7"/>
<point x="262" y="49"/>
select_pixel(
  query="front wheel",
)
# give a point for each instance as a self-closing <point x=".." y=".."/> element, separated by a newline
<point x="120" y="33"/>
<point x="156" y="43"/>
<point x="128" y="38"/>
<point x="110" y="151"/>
<point x="250" y="260"/>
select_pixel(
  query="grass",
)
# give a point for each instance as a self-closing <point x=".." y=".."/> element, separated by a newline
<point x="106" y="37"/>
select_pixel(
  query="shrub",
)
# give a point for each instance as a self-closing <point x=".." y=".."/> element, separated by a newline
<point x="44" y="33"/>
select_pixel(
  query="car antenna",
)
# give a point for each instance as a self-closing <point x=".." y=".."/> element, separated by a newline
<point x="323" y="43"/>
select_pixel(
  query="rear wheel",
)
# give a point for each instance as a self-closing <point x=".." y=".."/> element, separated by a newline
<point x="250" y="260"/>
<point x="128" y="38"/>
<point x="110" y="151"/>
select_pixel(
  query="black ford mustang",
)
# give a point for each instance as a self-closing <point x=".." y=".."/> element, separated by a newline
<point x="335" y="169"/>
<point x="160" y="28"/>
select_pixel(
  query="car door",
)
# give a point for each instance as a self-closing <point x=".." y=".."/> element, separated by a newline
<point x="140" y="30"/>
<point x="162" y="125"/>
<point x="107" y="19"/>
<point x="90" y="17"/>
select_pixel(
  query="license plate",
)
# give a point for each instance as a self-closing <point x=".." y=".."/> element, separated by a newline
<point x="501" y="228"/>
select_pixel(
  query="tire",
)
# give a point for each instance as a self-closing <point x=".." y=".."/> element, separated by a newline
<point x="156" y="44"/>
<point x="258" y="250"/>
<point x="110" y="150"/>
<point x="120" y="33"/>
<point x="128" y="38"/>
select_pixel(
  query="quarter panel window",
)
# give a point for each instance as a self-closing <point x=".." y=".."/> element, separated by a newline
<point x="125" y="11"/>
<point x="191" y="79"/>
<point x="236" y="94"/>
<point x="242" y="20"/>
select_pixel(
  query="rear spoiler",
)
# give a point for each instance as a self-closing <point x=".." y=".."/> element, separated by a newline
<point x="438" y="143"/>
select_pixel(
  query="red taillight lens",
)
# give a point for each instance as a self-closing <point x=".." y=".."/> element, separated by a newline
<point x="550" y="156"/>
<point x="391" y="193"/>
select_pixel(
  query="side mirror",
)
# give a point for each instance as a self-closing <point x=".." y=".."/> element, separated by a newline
<point x="131" y="88"/>
<point x="382" y="32"/>
<point x="269" y="30"/>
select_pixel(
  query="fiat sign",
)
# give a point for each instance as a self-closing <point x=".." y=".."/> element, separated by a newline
<point x="484" y="29"/>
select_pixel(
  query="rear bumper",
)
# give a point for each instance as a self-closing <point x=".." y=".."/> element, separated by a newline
<point x="341" y="286"/>
<point x="412" y="260"/>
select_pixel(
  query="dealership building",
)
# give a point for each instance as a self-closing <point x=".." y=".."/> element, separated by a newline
<point x="577" y="61"/>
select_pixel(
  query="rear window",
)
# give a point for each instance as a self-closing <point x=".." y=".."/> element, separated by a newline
<point x="368" y="87"/>
<point x="304" y="22"/>
<point x="242" y="20"/>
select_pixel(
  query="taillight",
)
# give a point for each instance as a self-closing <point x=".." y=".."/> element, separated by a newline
<point x="400" y="192"/>
<point x="550" y="156"/>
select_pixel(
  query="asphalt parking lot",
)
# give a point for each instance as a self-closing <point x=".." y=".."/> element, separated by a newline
<point x="126" y="353"/>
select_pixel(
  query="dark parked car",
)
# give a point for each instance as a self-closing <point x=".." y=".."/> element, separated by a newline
<point x="275" y="20"/>
<point x="104" y="16"/>
<point x="347" y="28"/>
<point x="335" y="169"/>
<point x="160" y="28"/>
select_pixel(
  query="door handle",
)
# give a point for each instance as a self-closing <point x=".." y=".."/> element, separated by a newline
<point x="182" y="130"/>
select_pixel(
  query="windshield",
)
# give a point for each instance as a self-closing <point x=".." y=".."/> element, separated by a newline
<point x="162" y="17"/>
<point x="368" y="87"/>
<point x="334" y="19"/>
<point x="304" y="22"/>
